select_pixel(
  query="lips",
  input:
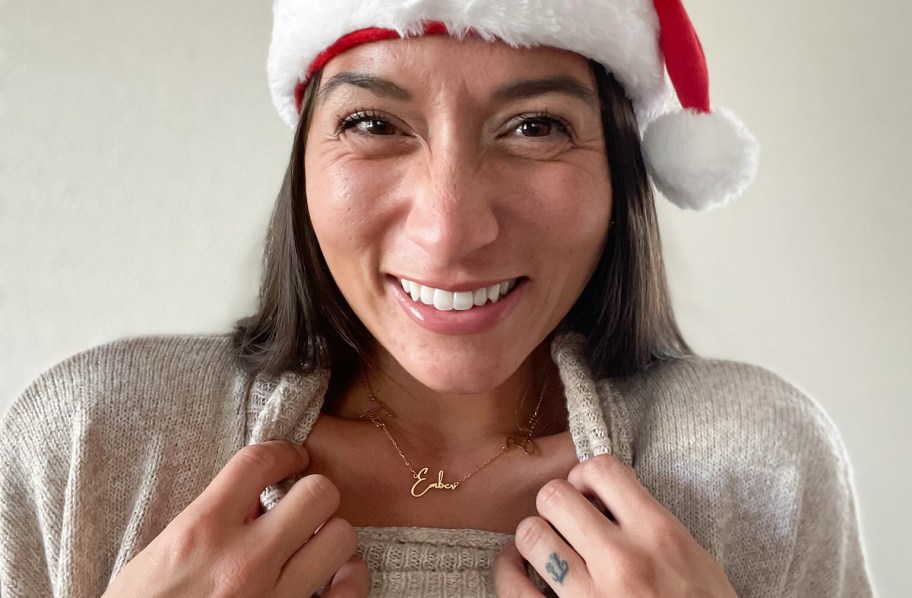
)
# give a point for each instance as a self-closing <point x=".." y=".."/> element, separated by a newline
<point x="465" y="300"/>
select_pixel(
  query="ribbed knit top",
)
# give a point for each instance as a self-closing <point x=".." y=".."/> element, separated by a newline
<point x="103" y="451"/>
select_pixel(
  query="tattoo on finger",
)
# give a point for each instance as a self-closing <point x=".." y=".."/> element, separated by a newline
<point x="557" y="567"/>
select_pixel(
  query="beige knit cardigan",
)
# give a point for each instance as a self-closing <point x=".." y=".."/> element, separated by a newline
<point x="105" y="449"/>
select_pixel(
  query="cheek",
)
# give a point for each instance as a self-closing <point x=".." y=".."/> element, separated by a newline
<point x="572" y="216"/>
<point x="330" y="201"/>
<point x="346" y="203"/>
<point x="572" y="208"/>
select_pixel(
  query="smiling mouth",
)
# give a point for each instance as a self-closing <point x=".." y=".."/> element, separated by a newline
<point x="442" y="300"/>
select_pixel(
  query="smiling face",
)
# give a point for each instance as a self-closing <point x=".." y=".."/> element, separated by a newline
<point x="460" y="194"/>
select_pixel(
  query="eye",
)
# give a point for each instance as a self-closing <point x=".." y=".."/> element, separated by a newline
<point x="535" y="128"/>
<point x="367" y="122"/>
<point x="540" y="126"/>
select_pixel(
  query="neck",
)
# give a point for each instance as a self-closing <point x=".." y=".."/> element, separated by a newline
<point x="438" y="425"/>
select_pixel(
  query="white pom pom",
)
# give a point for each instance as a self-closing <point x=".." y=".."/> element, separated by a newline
<point x="700" y="161"/>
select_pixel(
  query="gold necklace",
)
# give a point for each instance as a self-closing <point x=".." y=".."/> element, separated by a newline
<point x="379" y="409"/>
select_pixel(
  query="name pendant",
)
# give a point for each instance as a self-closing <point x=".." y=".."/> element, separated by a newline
<point x="421" y="476"/>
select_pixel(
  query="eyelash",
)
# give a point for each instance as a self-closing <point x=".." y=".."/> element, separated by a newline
<point x="348" y="121"/>
<point x="547" y="117"/>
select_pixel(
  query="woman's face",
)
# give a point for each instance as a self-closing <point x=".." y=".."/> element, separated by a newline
<point x="460" y="193"/>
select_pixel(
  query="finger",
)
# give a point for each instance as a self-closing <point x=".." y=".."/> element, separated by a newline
<point x="583" y="526"/>
<point x="352" y="580"/>
<point x="315" y="563"/>
<point x="254" y="510"/>
<point x="555" y="561"/>
<point x="248" y="472"/>
<point x="310" y="502"/>
<point x="616" y="486"/>
<point x="510" y="577"/>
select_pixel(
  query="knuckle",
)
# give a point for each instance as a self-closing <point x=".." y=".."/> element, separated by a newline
<point x="636" y="572"/>
<point x="318" y="488"/>
<point x="551" y="495"/>
<point x="258" y="456"/>
<point x="663" y="532"/>
<point x="188" y="540"/>
<point x="531" y="533"/>
<point x="604" y="466"/>
<point x="342" y="533"/>
<point x="671" y="537"/>
<point x="232" y="577"/>
<point x="195" y="541"/>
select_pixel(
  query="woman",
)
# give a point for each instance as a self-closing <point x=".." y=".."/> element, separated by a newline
<point x="466" y="241"/>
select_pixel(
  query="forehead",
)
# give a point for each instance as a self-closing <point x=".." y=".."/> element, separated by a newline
<point x="443" y="61"/>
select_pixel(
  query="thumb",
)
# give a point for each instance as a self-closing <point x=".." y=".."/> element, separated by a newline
<point x="352" y="580"/>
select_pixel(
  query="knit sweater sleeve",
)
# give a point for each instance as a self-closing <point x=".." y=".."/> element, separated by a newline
<point x="757" y="472"/>
<point x="101" y="452"/>
<point x="36" y="448"/>
<point x="26" y="545"/>
<point x="826" y="556"/>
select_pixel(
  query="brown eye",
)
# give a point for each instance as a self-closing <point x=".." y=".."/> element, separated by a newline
<point x="535" y="128"/>
<point x="373" y="126"/>
<point x="540" y="126"/>
<point x="367" y="122"/>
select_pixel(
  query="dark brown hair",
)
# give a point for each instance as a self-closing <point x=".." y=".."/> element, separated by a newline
<point x="625" y="313"/>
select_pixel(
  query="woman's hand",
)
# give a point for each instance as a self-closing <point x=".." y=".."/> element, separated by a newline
<point x="644" y="552"/>
<point x="221" y="545"/>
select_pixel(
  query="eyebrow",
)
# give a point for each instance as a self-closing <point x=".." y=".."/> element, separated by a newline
<point x="381" y="87"/>
<point x="516" y="90"/>
<point x="564" y="84"/>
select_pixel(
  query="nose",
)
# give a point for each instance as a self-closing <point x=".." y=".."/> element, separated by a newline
<point x="452" y="213"/>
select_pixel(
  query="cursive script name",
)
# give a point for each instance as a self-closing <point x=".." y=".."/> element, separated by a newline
<point x="421" y="476"/>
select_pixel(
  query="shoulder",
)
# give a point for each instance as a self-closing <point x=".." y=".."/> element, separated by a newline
<point x="730" y="437"/>
<point x="122" y="381"/>
<point x="752" y="466"/>
<point x="728" y="403"/>
<point x="148" y="354"/>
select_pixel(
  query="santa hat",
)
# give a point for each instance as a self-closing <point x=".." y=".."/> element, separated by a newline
<point x="699" y="157"/>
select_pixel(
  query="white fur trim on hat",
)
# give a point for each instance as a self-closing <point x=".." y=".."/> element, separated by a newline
<point x="700" y="161"/>
<point x="621" y="34"/>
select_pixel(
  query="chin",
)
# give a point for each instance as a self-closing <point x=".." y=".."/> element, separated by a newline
<point x="470" y="373"/>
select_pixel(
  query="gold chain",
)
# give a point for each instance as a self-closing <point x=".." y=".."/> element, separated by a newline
<point x="525" y="443"/>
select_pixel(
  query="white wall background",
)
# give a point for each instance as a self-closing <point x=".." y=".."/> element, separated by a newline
<point x="139" y="158"/>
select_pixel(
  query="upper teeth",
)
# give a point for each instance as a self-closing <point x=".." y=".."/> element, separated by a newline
<point x="459" y="300"/>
